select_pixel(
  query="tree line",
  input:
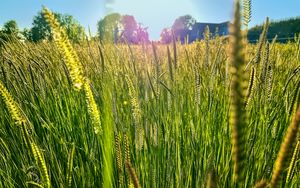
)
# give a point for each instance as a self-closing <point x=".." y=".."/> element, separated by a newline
<point x="284" y="29"/>
<point x="116" y="28"/>
<point x="40" y="30"/>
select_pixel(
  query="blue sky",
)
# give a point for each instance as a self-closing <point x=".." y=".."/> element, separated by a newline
<point x="155" y="14"/>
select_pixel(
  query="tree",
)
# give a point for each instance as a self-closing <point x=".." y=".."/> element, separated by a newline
<point x="184" y="22"/>
<point x="142" y="35"/>
<point x="41" y="29"/>
<point x="10" y="29"/>
<point x="117" y="28"/>
<point x="182" y="26"/>
<point x="284" y="29"/>
<point x="74" y="30"/>
<point x="129" y="29"/>
<point x="108" y="27"/>
<point x="166" y="36"/>
<point x="26" y="33"/>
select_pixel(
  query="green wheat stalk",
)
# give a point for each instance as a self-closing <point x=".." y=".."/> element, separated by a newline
<point x="293" y="162"/>
<point x="119" y="158"/>
<point x="136" y="111"/>
<point x="261" y="42"/>
<point x="238" y="117"/>
<point x="70" y="166"/>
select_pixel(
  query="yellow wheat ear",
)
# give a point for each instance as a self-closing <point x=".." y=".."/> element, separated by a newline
<point x="92" y="107"/>
<point x="75" y="68"/>
<point x="285" y="151"/>
<point x="62" y="42"/>
<point x="11" y="105"/>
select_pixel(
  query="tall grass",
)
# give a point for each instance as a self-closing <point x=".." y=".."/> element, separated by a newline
<point x="163" y="112"/>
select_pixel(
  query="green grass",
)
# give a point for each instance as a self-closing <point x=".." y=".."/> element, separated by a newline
<point x="183" y="120"/>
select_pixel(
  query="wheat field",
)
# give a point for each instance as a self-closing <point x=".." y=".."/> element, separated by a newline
<point x="179" y="115"/>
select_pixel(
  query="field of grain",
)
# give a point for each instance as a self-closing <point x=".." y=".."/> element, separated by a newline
<point x="149" y="115"/>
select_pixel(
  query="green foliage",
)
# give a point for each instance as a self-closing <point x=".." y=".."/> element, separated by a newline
<point x="26" y="34"/>
<point x="185" y="22"/>
<point x="10" y="28"/>
<point x="9" y="31"/>
<point x="41" y="31"/>
<point x="108" y="27"/>
<point x="182" y="25"/>
<point x="285" y="30"/>
<point x="129" y="26"/>
<point x="115" y="28"/>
